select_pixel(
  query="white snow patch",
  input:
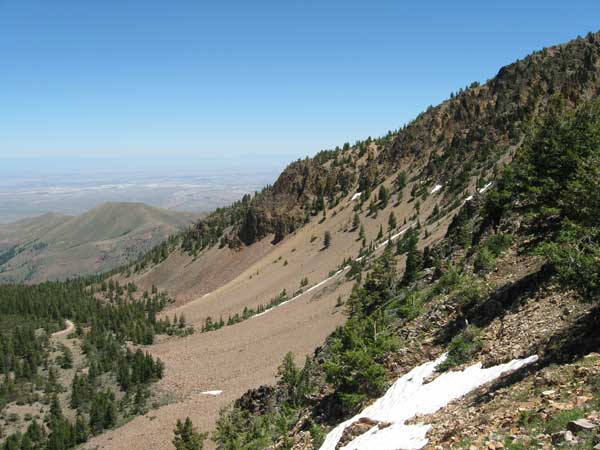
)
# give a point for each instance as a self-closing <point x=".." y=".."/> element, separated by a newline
<point x="409" y="397"/>
<point x="326" y="280"/>
<point x="312" y="288"/>
<point x="486" y="187"/>
<point x="436" y="188"/>
<point x="213" y="393"/>
<point x="392" y="238"/>
<point x="356" y="196"/>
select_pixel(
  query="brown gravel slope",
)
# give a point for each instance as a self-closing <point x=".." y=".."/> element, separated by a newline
<point x="246" y="355"/>
<point x="231" y="359"/>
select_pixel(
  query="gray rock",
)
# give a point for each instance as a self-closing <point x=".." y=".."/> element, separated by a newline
<point x="563" y="436"/>
<point x="579" y="425"/>
<point x="569" y="437"/>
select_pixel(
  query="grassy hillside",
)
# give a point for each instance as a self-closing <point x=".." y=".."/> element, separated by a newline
<point x="54" y="246"/>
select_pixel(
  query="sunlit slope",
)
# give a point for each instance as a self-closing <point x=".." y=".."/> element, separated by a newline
<point x="54" y="246"/>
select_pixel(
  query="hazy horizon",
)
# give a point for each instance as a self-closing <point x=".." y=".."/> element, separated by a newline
<point x="189" y="105"/>
<point x="31" y="187"/>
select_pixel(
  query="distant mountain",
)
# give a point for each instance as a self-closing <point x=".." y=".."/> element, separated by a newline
<point x="55" y="246"/>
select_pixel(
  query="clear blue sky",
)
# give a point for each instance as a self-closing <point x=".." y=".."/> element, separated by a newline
<point x="280" y="79"/>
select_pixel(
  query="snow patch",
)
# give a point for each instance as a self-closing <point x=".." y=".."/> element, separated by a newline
<point x="356" y="196"/>
<point x="409" y="397"/>
<point x="436" y="188"/>
<point x="392" y="238"/>
<point x="312" y="288"/>
<point x="213" y="393"/>
<point x="486" y="187"/>
<point x="326" y="280"/>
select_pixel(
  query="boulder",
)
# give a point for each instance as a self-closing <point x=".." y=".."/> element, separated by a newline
<point x="579" y="425"/>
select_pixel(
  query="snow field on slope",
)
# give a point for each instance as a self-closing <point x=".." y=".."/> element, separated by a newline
<point x="409" y="397"/>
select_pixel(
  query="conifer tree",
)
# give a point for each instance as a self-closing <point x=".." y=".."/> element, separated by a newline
<point x="355" y="221"/>
<point x="384" y="197"/>
<point x="392" y="224"/>
<point x="186" y="437"/>
<point x="327" y="239"/>
<point x="400" y="182"/>
<point x="380" y="234"/>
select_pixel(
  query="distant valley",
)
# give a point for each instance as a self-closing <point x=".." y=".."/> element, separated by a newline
<point x="27" y="192"/>
<point x="56" y="246"/>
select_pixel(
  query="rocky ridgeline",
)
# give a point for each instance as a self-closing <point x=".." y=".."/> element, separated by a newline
<point x="479" y="126"/>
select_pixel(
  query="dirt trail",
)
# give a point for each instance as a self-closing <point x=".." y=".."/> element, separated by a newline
<point x="68" y="330"/>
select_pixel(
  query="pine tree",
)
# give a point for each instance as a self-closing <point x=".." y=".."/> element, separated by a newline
<point x="392" y="224"/>
<point x="55" y="409"/>
<point x="288" y="375"/>
<point x="327" y="239"/>
<point x="413" y="265"/>
<point x="81" y="430"/>
<point x="384" y="197"/>
<point x="26" y="443"/>
<point x="400" y="182"/>
<point x="186" y="437"/>
<point x="355" y="221"/>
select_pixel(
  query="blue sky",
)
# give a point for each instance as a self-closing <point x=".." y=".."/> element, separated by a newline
<point x="250" y="79"/>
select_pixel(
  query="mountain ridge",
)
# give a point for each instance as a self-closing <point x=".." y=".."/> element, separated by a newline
<point x="418" y="177"/>
<point x="56" y="246"/>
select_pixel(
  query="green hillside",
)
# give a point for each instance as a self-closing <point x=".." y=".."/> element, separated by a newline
<point x="53" y="246"/>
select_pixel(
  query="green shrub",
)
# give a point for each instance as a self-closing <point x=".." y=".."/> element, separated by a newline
<point x="470" y="294"/>
<point x="355" y="368"/>
<point x="498" y="243"/>
<point x="186" y="437"/>
<point x="462" y="348"/>
<point x="450" y="280"/>
<point x="484" y="261"/>
<point x="575" y="258"/>
<point x="317" y="434"/>
<point x="410" y="306"/>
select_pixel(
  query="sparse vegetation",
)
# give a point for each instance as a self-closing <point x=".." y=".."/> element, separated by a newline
<point x="109" y="324"/>
<point x="462" y="348"/>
